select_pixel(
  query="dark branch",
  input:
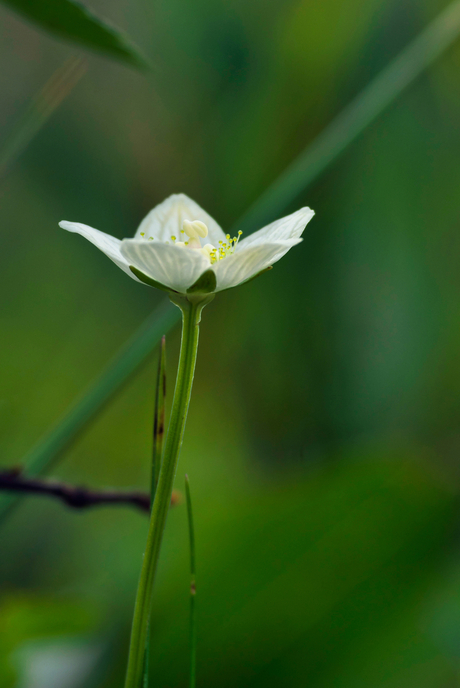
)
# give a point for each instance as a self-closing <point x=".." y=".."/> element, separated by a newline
<point x="76" y="497"/>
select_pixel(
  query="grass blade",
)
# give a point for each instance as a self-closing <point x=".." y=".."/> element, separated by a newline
<point x="355" y="117"/>
<point x="73" y="21"/>
<point x="191" y="532"/>
<point x="145" y="677"/>
<point x="363" y="110"/>
<point x="56" y="89"/>
<point x="157" y="451"/>
<point x="159" y="417"/>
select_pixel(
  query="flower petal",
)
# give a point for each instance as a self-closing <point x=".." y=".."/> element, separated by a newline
<point x="166" y="219"/>
<point x="289" y="227"/>
<point x="244" y="264"/>
<point x="173" y="266"/>
<point x="107" y="244"/>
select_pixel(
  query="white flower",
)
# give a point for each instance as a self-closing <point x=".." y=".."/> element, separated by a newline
<point x="166" y="250"/>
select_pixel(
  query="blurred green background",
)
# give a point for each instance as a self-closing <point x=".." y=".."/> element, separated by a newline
<point x="323" y="439"/>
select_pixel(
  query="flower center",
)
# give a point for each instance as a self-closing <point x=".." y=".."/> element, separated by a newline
<point x="196" y="230"/>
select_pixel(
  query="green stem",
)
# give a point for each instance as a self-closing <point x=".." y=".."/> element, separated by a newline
<point x="158" y="419"/>
<point x="191" y="532"/>
<point x="191" y="315"/>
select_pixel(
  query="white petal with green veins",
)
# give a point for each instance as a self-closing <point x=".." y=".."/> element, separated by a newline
<point x="173" y="266"/>
<point x="289" y="227"/>
<point x="246" y="262"/>
<point x="167" y="252"/>
<point x="167" y="218"/>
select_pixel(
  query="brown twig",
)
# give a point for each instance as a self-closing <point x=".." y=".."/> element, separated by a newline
<point x="13" y="480"/>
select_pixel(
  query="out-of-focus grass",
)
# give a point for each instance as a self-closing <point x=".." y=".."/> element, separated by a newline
<point x="74" y="22"/>
<point x="43" y="105"/>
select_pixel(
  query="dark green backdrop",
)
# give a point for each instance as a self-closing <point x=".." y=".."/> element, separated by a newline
<point x="323" y="439"/>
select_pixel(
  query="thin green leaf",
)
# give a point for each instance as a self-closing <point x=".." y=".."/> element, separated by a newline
<point x="355" y="117"/>
<point x="72" y="21"/>
<point x="48" y="99"/>
<point x="363" y="110"/>
<point x="157" y="452"/>
<point x="191" y="533"/>
<point x="159" y="417"/>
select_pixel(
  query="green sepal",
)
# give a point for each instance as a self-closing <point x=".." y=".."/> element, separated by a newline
<point x="206" y="284"/>
<point x="148" y="280"/>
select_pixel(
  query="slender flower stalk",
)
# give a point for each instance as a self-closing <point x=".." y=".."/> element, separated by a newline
<point x="191" y="314"/>
<point x="191" y="535"/>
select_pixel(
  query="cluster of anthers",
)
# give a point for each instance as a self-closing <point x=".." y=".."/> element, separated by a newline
<point x="197" y="230"/>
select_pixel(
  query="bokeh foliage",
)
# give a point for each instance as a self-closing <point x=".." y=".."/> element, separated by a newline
<point x="322" y="443"/>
